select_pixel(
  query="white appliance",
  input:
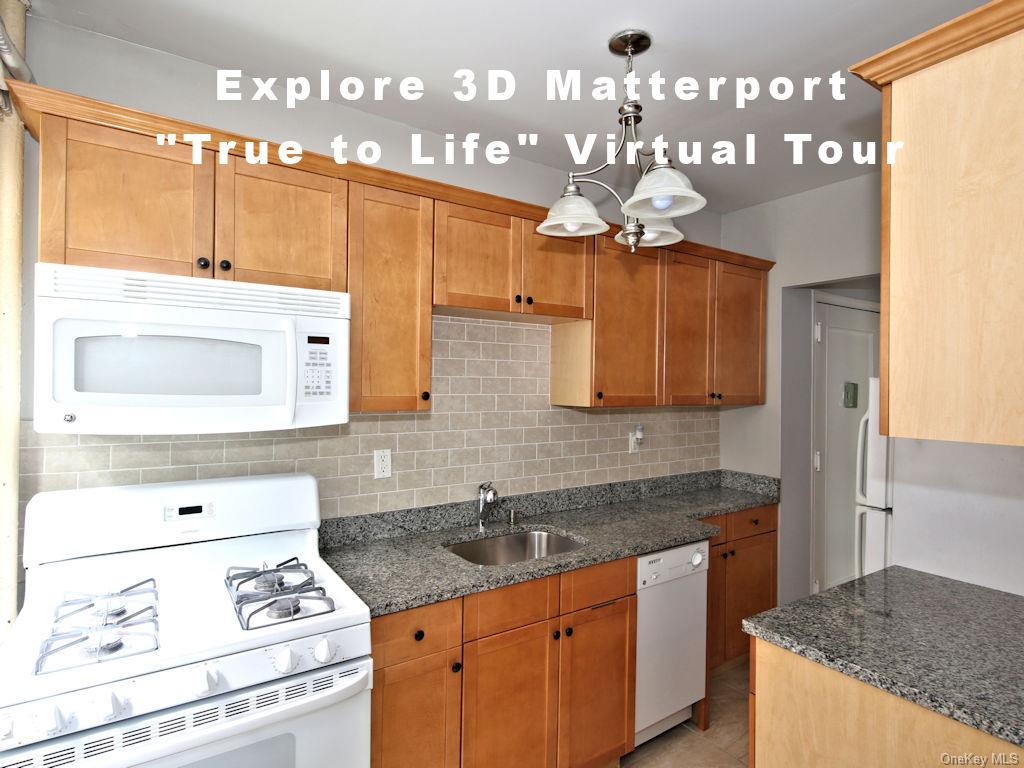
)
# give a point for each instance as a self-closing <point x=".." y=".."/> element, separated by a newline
<point x="873" y="508"/>
<point x="184" y="624"/>
<point x="120" y="352"/>
<point x="671" y="636"/>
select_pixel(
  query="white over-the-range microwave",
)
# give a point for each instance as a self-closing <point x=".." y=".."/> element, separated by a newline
<point x="119" y="352"/>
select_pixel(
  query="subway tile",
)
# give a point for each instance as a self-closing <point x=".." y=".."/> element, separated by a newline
<point x="467" y="350"/>
<point x="108" y="439"/>
<point x="393" y="424"/>
<point x="481" y="368"/>
<point x="338" y="486"/>
<point x="397" y="500"/>
<point x="32" y="439"/>
<point x="522" y="485"/>
<point x="371" y="443"/>
<point x="450" y="439"/>
<point x="199" y="452"/>
<point x="355" y="465"/>
<point x="494" y="453"/>
<point x="417" y="478"/>
<point x="464" y="421"/>
<point x="338" y="446"/>
<point x="464" y="385"/>
<point x="108" y="477"/>
<point x="369" y="484"/>
<point x="477" y="437"/>
<point x="450" y="368"/>
<point x="428" y="496"/>
<point x="318" y="468"/>
<point x="480" y="332"/>
<point x="30" y="461"/>
<point x="329" y="508"/>
<point x="510" y="335"/>
<point x="248" y="450"/>
<point x="213" y="471"/>
<point x="496" y="386"/>
<point x="77" y="459"/>
<point x="431" y="459"/>
<point x="417" y="441"/>
<point x="493" y="351"/>
<point x="140" y="455"/>
<point x="522" y="452"/>
<point x="449" y="476"/>
<point x="276" y="467"/>
<point x="30" y="485"/>
<point x="358" y="505"/>
<point x="167" y="474"/>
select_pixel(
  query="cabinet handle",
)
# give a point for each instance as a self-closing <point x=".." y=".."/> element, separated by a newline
<point x="457" y="666"/>
<point x="732" y="552"/>
<point x="203" y="263"/>
<point x="600" y="395"/>
<point x="225" y="264"/>
<point x="529" y="299"/>
<point x="556" y="634"/>
<point x="425" y="395"/>
<point x="418" y="635"/>
<point x="718" y="395"/>
<point x="568" y="631"/>
<point x="519" y="298"/>
<point x="755" y="521"/>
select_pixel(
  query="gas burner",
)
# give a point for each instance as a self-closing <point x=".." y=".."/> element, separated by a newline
<point x="283" y="608"/>
<point x="131" y="635"/>
<point x="286" y="592"/>
<point x="90" y="610"/>
<point x="105" y="643"/>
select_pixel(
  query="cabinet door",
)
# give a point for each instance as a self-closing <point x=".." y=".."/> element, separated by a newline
<point x="111" y="198"/>
<point x="739" y="334"/>
<point x="689" y="329"/>
<point x="510" y="699"/>
<point x="597" y="685"/>
<point x="558" y="274"/>
<point x="478" y="258"/>
<point x="627" y="311"/>
<point x="281" y="226"/>
<point x="716" y="605"/>
<point x="390" y="237"/>
<point x="750" y="575"/>
<point x="416" y="713"/>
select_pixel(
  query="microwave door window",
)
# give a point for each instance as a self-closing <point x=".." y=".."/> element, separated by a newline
<point x="167" y="365"/>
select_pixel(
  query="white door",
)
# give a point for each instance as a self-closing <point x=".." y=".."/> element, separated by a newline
<point x="845" y="357"/>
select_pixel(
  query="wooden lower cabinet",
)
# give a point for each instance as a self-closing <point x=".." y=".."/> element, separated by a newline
<point x="510" y="698"/>
<point x="416" y="713"/>
<point x="597" y="684"/>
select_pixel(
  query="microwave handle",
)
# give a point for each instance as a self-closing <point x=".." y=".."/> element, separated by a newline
<point x="291" y="370"/>
<point x="202" y="737"/>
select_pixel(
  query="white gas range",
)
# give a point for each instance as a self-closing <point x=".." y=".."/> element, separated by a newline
<point x="184" y="624"/>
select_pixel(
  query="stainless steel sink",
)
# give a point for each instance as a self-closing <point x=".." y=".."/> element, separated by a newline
<point x="514" y="547"/>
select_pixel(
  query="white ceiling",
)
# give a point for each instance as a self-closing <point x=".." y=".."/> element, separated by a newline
<point x="794" y="38"/>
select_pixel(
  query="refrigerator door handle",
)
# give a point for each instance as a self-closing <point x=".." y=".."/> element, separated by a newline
<point x="862" y="433"/>
<point x="858" y="541"/>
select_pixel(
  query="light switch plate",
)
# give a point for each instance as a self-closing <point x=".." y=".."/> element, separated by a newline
<point x="381" y="463"/>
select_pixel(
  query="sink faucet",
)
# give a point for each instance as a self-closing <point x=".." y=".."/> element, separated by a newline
<point x="487" y="496"/>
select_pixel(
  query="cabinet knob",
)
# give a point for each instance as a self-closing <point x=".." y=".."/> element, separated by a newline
<point x="755" y="521"/>
<point x="519" y="298"/>
<point x="711" y="395"/>
<point x="556" y="634"/>
<point x="425" y="395"/>
<point x="203" y="263"/>
<point x="529" y="299"/>
<point x="568" y="631"/>
<point x="718" y="395"/>
<point x="457" y="666"/>
<point x="418" y="635"/>
<point x="725" y="555"/>
<point x="600" y="395"/>
<point x="224" y="264"/>
<point x="732" y="552"/>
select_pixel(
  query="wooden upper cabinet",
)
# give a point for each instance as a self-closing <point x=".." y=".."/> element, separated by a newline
<point x="416" y="713"/>
<point x="279" y="225"/>
<point x="558" y="274"/>
<point x="477" y="258"/>
<point x="627" y="319"/>
<point x="510" y="698"/>
<point x="689" y="329"/>
<point x="740" y="296"/>
<point x="390" y="261"/>
<point x="112" y="198"/>
<point x="597" y="684"/>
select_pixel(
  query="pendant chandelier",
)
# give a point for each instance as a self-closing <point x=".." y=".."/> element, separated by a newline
<point x="661" y="192"/>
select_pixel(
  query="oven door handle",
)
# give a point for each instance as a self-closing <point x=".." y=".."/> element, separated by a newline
<point x="191" y="739"/>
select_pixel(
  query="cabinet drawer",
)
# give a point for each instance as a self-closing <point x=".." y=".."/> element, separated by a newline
<point x="597" y="584"/>
<point x="751" y="522"/>
<point x="498" y="610"/>
<point x="417" y="632"/>
<point x="722" y="521"/>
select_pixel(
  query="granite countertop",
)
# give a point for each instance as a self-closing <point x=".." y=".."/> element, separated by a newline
<point x="401" y="572"/>
<point x="952" y="647"/>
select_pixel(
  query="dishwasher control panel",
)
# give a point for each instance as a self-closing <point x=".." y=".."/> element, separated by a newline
<point x="671" y="564"/>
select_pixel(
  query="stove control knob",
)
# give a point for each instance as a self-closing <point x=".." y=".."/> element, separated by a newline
<point x="207" y="681"/>
<point x="696" y="558"/>
<point x="116" y="708"/>
<point x="58" y="723"/>
<point x="323" y="651"/>
<point x="6" y="729"/>
<point x="285" y="660"/>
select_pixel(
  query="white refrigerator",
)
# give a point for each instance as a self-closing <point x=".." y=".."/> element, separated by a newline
<point x="873" y="503"/>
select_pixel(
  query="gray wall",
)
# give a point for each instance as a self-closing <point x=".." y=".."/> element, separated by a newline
<point x="959" y="508"/>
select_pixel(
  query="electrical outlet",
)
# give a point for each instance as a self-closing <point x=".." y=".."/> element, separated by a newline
<point x="381" y="463"/>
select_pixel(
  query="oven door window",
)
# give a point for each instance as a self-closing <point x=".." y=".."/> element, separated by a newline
<point x="103" y="362"/>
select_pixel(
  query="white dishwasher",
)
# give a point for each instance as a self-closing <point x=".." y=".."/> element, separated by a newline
<point x="671" y="636"/>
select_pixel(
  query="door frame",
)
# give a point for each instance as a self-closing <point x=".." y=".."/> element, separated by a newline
<point x="833" y="299"/>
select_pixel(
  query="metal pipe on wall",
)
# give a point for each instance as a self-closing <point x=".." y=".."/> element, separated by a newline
<point x="12" y="179"/>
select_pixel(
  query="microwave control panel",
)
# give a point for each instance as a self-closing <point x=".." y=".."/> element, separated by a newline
<point x="318" y="357"/>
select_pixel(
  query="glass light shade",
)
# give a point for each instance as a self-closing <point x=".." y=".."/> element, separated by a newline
<point x="657" y="232"/>
<point x="663" y="193"/>
<point x="572" y="216"/>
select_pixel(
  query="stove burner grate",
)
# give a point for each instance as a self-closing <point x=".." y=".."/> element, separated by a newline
<point x="285" y="592"/>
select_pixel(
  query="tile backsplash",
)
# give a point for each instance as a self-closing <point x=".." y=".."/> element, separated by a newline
<point x="490" y="420"/>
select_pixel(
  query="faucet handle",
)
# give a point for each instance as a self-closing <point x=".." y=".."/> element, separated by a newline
<point x="487" y="493"/>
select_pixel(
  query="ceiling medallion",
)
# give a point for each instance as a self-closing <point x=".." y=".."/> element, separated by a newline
<point x="661" y="192"/>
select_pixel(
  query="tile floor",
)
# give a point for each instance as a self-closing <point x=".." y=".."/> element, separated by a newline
<point x="722" y="745"/>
